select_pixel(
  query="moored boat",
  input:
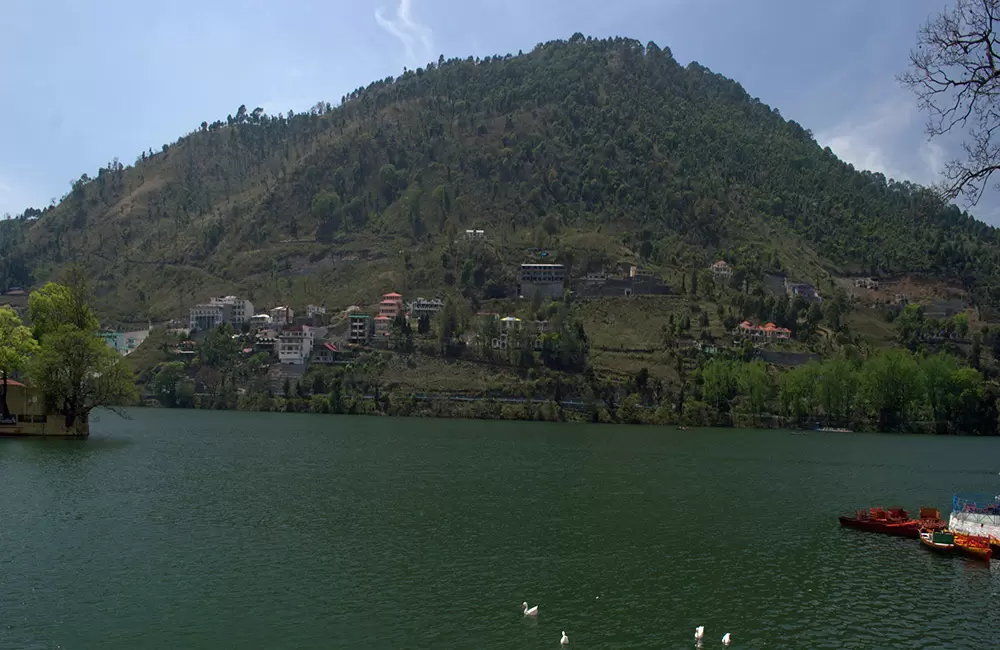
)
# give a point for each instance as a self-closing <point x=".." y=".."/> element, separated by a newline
<point x="895" y="521"/>
<point x="876" y="520"/>
<point x="973" y="546"/>
<point x="938" y="541"/>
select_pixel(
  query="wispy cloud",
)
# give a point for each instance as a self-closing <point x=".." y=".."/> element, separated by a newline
<point x="417" y="39"/>
<point x="888" y="138"/>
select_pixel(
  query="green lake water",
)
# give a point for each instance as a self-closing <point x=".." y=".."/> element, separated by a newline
<point x="184" y="529"/>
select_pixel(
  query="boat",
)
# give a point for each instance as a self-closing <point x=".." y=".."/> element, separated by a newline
<point x="875" y="520"/>
<point x="977" y="515"/>
<point x="974" y="546"/>
<point x="833" y="430"/>
<point x="895" y="521"/>
<point x="938" y="540"/>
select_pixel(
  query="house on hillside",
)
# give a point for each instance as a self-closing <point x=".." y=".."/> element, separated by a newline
<point x="325" y="352"/>
<point x="762" y="334"/>
<point x="547" y="280"/>
<point x="383" y="325"/>
<point x="281" y="316"/>
<point x="295" y="343"/>
<point x="721" y="270"/>
<point x="391" y="305"/>
<point x="240" y="310"/>
<point x="802" y="290"/>
<point x="866" y="283"/>
<point x="422" y="307"/>
<point x="362" y="328"/>
<point x="473" y="235"/>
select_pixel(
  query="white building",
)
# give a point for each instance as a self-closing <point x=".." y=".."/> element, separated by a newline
<point x="423" y="307"/>
<point x="295" y="344"/>
<point x="721" y="269"/>
<point x="315" y="310"/>
<point x="549" y="280"/>
<point x="282" y="315"/>
<point x="241" y="311"/>
<point x="208" y="317"/>
<point x="475" y="234"/>
<point x="260" y="321"/>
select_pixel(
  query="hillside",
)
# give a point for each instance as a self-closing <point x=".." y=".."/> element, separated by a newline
<point x="600" y="151"/>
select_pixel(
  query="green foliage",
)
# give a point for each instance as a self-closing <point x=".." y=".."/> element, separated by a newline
<point x="74" y="369"/>
<point x="597" y="134"/>
<point x="167" y="381"/>
<point x="16" y="347"/>
<point x="77" y="372"/>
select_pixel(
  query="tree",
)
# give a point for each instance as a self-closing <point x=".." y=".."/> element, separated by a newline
<point x="955" y="74"/>
<point x="16" y="347"/>
<point x="74" y="369"/>
<point x="165" y="384"/>
<point x="424" y="324"/>
<point x="890" y="381"/>
<point x="797" y="392"/>
<point x="755" y="385"/>
<point x="55" y="305"/>
<point x="961" y="325"/>
<point x="77" y="372"/>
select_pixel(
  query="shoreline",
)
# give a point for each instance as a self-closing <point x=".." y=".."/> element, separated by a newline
<point x="528" y="410"/>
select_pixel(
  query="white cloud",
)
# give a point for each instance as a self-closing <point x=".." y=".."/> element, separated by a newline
<point x="871" y="141"/>
<point x="411" y="34"/>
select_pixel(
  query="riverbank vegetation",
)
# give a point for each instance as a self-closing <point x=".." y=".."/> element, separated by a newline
<point x="62" y="356"/>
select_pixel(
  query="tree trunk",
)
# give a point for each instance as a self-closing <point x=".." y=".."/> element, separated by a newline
<point x="4" y="410"/>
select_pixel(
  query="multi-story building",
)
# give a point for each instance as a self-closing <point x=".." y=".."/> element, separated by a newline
<point x="240" y="311"/>
<point x="721" y="269"/>
<point x="295" y="343"/>
<point x="548" y="280"/>
<point x="362" y="328"/>
<point x="281" y="316"/>
<point x="422" y="307"/>
<point x="382" y="325"/>
<point x="391" y="305"/>
<point x="260" y="321"/>
<point x="209" y="316"/>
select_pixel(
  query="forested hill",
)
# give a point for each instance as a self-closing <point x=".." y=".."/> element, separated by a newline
<point x="596" y="149"/>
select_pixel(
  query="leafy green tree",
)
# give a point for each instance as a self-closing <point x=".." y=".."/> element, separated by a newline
<point x="755" y="384"/>
<point x="837" y="389"/>
<point x="16" y="348"/>
<point x="962" y="325"/>
<point x="797" y="392"/>
<point x="77" y="373"/>
<point x="56" y="305"/>
<point x="168" y="376"/>
<point x="720" y="384"/>
<point x="74" y="369"/>
<point x="889" y="382"/>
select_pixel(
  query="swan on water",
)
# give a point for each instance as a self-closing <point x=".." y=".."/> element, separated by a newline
<point x="529" y="612"/>
<point x="564" y="640"/>
<point x="727" y="639"/>
<point x="699" y="632"/>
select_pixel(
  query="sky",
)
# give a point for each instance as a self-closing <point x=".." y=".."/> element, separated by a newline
<point x="85" y="82"/>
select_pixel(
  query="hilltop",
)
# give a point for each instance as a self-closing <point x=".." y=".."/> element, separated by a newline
<point x="600" y="151"/>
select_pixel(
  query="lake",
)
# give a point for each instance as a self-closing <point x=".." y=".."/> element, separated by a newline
<point x="195" y="529"/>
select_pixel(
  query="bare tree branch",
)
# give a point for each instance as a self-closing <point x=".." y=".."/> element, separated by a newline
<point x="955" y="74"/>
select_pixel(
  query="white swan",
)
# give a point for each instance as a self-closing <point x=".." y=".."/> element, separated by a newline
<point x="529" y="612"/>
<point x="727" y="639"/>
<point x="564" y="640"/>
<point x="699" y="632"/>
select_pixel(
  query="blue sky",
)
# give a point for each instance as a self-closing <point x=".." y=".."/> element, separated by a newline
<point x="85" y="82"/>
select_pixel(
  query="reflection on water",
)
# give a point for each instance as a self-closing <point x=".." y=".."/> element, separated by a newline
<point x="207" y="530"/>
